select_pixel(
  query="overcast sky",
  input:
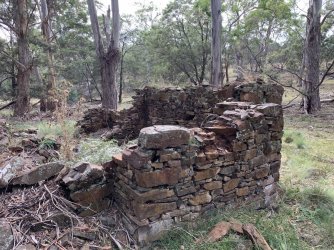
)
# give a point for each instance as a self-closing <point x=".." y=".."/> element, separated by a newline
<point x="130" y="7"/>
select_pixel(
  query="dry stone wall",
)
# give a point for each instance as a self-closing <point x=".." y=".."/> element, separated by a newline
<point x="175" y="174"/>
<point x="187" y="107"/>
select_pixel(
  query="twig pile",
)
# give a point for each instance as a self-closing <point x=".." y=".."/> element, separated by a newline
<point x="32" y="213"/>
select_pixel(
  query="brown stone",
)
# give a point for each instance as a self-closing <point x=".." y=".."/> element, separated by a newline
<point x="239" y="146"/>
<point x="258" y="160"/>
<point x="184" y="191"/>
<point x="85" y="197"/>
<point x="250" y="97"/>
<point x="250" y="154"/>
<point x="212" y="154"/>
<point x="144" y="211"/>
<point x="222" y="130"/>
<point x="230" y="185"/>
<point x="242" y="191"/>
<point x="167" y="176"/>
<point x="200" y="199"/>
<point x="169" y="155"/>
<point x="136" y="158"/>
<point x="262" y="172"/>
<point x="213" y="185"/>
<point x="206" y="174"/>
<point x="163" y="136"/>
<point x="118" y="159"/>
<point x="174" y="163"/>
<point x="157" y="165"/>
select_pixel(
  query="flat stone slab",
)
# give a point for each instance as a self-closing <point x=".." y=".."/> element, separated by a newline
<point x="163" y="136"/>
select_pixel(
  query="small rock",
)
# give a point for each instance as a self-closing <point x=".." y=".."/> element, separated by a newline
<point x="6" y="236"/>
<point x="83" y="175"/>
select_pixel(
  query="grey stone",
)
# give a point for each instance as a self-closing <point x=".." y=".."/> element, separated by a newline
<point x="163" y="136"/>
<point x="6" y="236"/>
<point x="39" y="173"/>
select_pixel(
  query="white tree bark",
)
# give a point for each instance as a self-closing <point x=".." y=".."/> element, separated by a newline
<point x="216" y="74"/>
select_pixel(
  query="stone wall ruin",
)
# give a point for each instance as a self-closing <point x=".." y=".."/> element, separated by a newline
<point x="187" y="107"/>
<point x="227" y="154"/>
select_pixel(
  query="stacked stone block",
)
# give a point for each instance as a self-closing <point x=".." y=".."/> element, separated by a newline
<point x="174" y="174"/>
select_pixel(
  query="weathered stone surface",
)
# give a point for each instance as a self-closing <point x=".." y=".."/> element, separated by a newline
<point x="163" y="136"/>
<point x="222" y="130"/>
<point x="154" y="231"/>
<point x="242" y="191"/>
<point x="200" y="199"/>
<point x="94" y="194"/>
<point x="206" y="174"/>
<point x="152" y="195"/>
<point x="262" y="172"/>
<point x="10" y="169"/>
<point x="230" y="185"/>
<point x="39" y="173"/>
<point x="168" y="176"/>
<point x="136" y="157"/>
<point x="213" y="185"/>
<point x="6" y="235"/>
<point x="143" y="211"/>
<point x="185" y="191"/>
<point x="83" y="175"/>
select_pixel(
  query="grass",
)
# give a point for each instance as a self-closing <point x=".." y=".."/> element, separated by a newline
<point x="96" y="151"/>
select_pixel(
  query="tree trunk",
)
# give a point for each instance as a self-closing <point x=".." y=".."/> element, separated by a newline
<point x="12" y="66"/>
<point x="238" y="58"/>
<point x="216" y="75"/>
<point x="120" y="95"/>
<point x="50" y="95"/>
<point x="24" y="68"/>
<point x="311" y="100"/>
<point x="108" y="58"/>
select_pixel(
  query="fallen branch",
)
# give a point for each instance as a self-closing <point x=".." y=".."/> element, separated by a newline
<point x="327" y="100"/>
<point x="257" y="238"/>
<point x="8" y="105"/>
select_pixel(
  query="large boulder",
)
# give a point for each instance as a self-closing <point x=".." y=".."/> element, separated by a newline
<point x="163" y="136"/>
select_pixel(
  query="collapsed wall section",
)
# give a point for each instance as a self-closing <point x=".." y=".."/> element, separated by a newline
<point x="175" y="174"/>
<point x="187" y="107"/>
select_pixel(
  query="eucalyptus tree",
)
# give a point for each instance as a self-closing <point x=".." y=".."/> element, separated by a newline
<point x="182" y="38"/>
<point x="216" y="50"/>
<point x="108" y="52"/>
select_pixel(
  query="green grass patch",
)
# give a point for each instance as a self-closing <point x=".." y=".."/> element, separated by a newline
<point x="97" y="151"/>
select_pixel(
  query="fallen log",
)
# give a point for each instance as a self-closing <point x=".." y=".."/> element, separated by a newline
<point x="8" y="105"/>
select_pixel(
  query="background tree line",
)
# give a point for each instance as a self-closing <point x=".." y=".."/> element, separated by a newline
<point x="47" y="42"/>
